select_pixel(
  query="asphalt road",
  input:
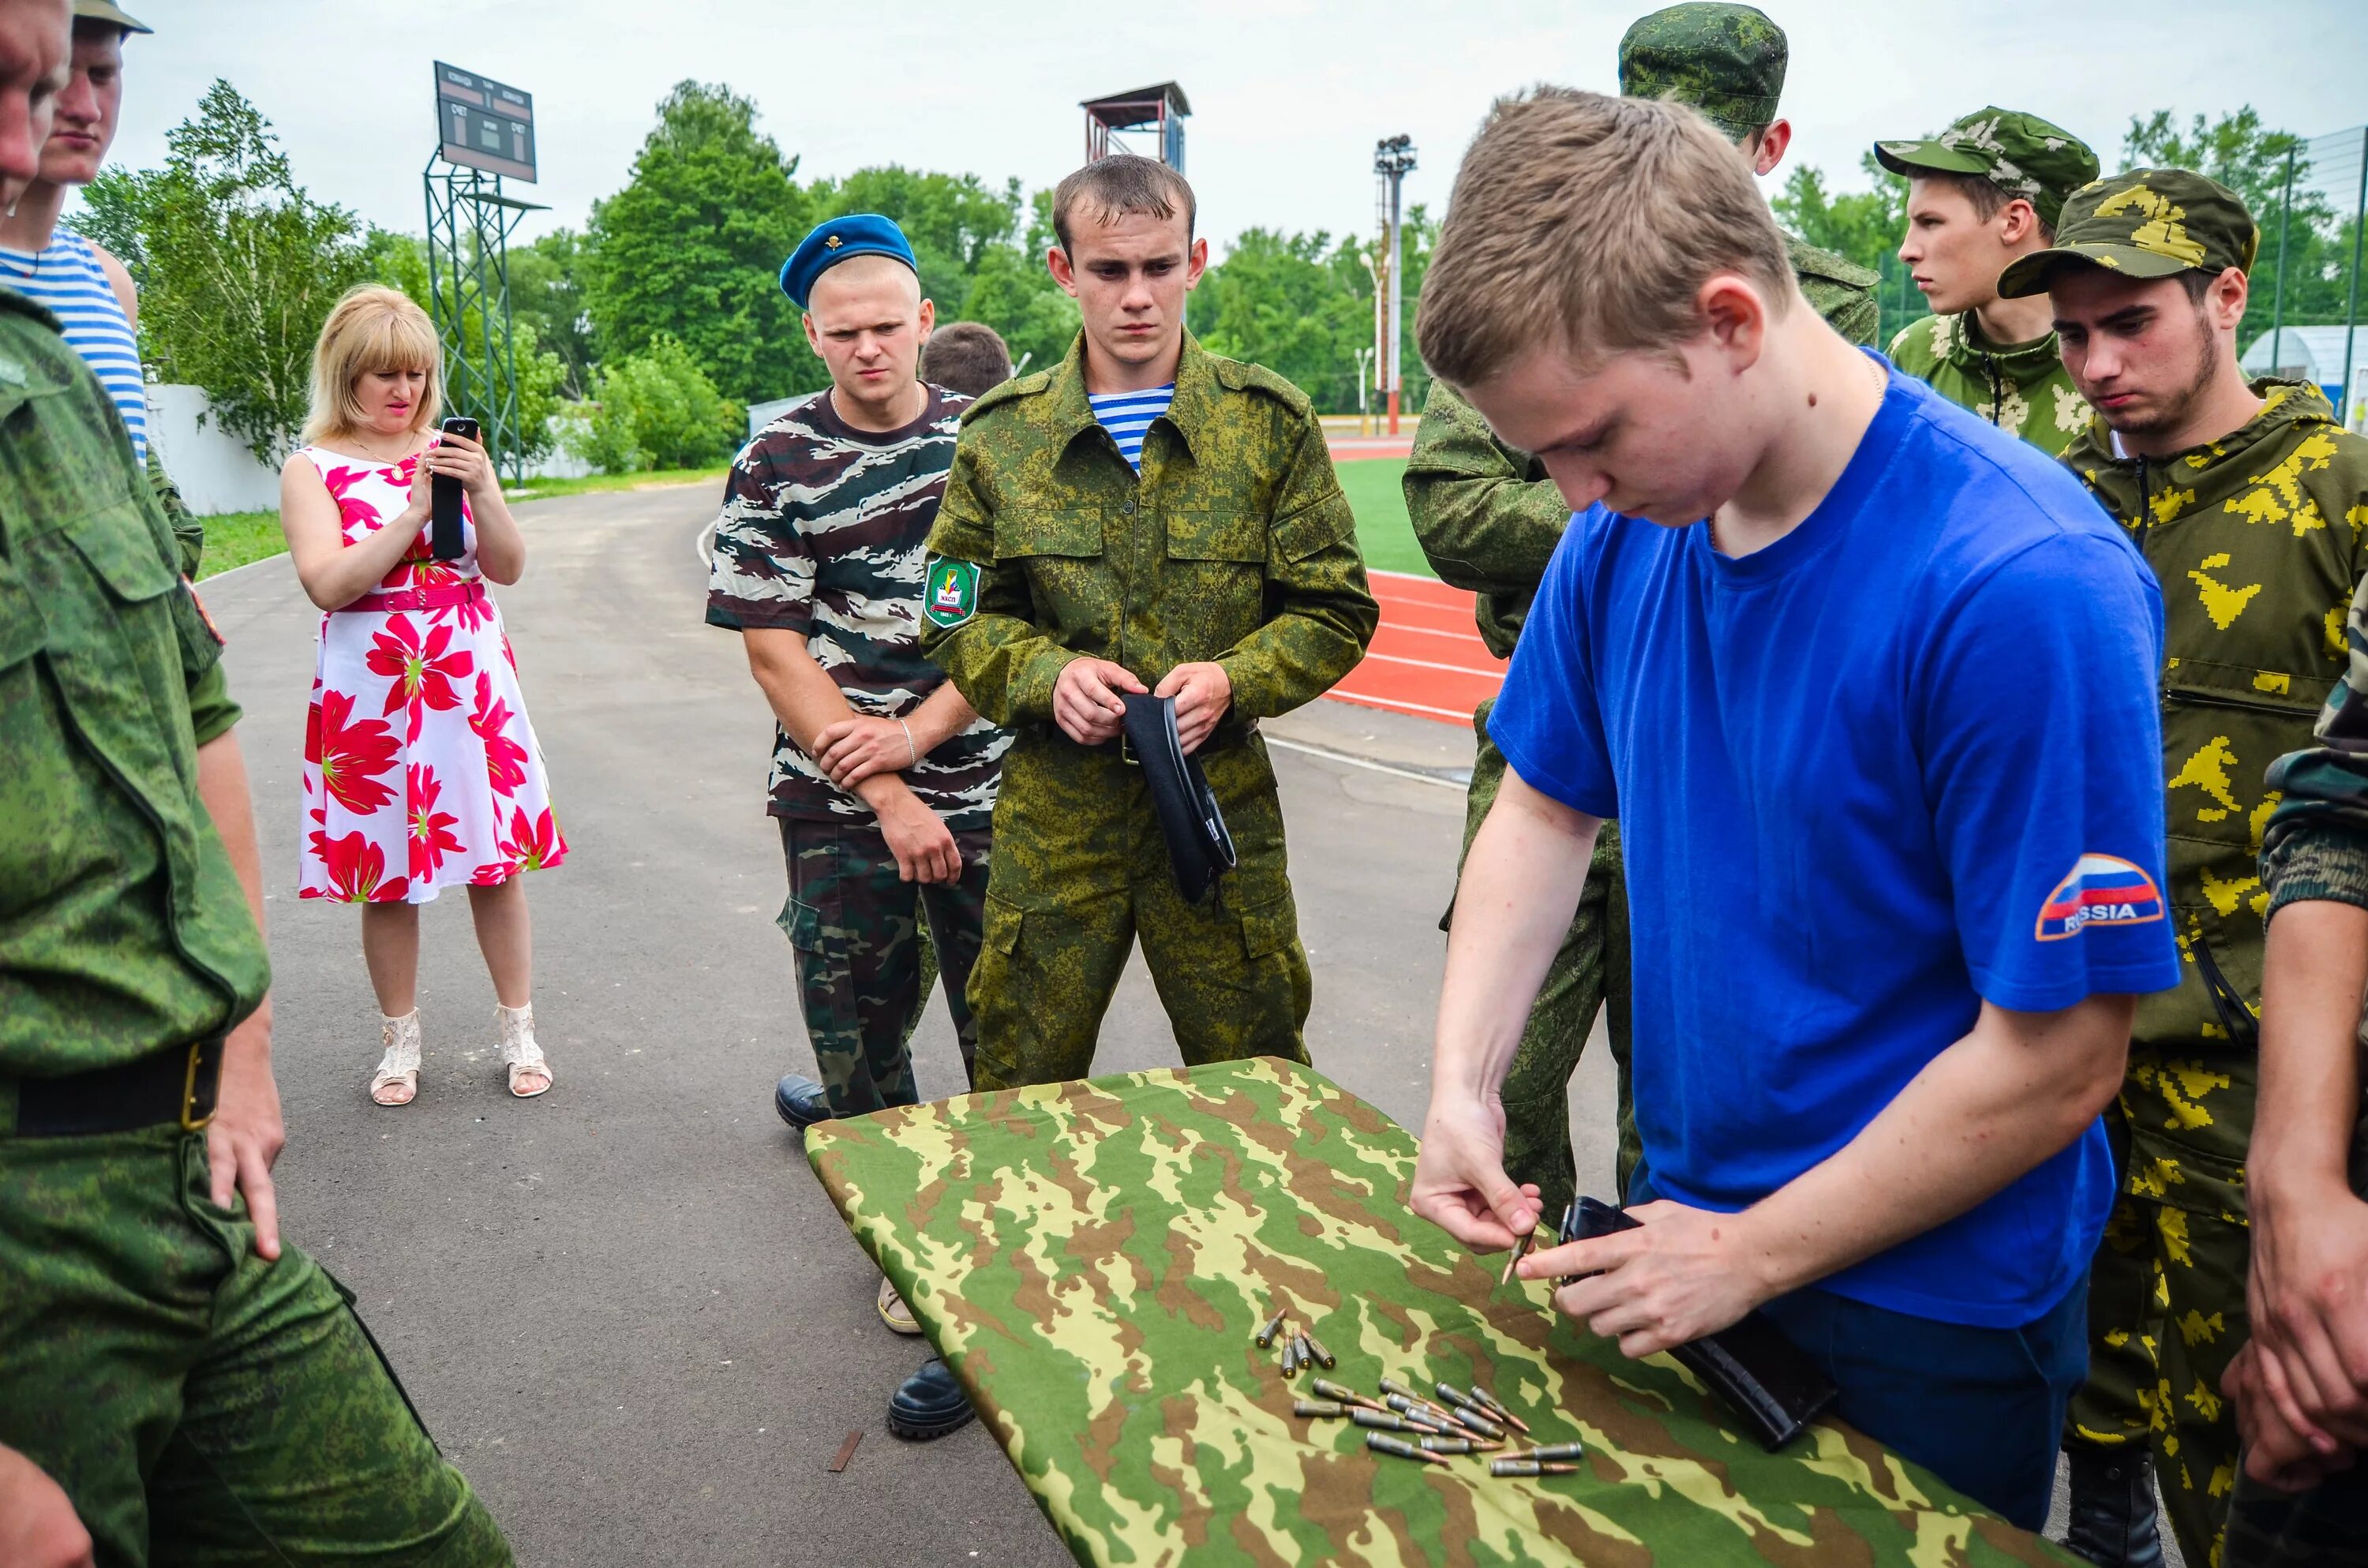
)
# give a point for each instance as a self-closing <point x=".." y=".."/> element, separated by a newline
<point x="626" y="1310"/>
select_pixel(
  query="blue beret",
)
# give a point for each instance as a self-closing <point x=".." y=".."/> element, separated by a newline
<point x="857" y="234"/>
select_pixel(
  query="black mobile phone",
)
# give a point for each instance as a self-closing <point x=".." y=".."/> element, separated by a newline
<point x="445" y="539"/>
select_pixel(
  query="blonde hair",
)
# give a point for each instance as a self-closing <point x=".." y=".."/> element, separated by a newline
<point x="1592" y="223"/>
<point x="373" y="328"/>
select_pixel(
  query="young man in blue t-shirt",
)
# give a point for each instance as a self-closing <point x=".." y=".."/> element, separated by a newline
<point x="1871" y="688"/>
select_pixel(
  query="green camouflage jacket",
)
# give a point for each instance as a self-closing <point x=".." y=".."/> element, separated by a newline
<point x="1488" y="517"/>
<point x="1234" y="545"/>
<point x="2257" y="542"/>
<point x="2316" y="844"/>
<point x="122" y="928"/>
<point x="2024" y="391"/>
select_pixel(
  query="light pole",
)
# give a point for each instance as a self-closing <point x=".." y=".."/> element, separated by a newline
<point x="1364" y="417"/>
<point x="1392" y="159"/>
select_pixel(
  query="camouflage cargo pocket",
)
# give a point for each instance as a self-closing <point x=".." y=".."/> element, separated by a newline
<point x="802" y="923"/>
<point x="1270" y="928"/>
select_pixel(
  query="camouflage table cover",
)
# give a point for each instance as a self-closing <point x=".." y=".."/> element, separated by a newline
<point x="1093" y="1259"/>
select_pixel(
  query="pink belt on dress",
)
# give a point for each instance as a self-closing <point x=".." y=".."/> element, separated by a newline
<point x="442" y="597"/>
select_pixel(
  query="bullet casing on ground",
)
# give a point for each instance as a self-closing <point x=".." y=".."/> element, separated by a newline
<point x="1272" y="1326"/>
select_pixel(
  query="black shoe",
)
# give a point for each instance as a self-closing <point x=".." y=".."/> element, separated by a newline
<point x="2114" y="1521"/>
<point x="800" y="1102"/>
<point x="929" y="1404"/>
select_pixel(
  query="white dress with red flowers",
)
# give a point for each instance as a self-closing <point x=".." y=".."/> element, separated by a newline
<point x="420" y="769"/>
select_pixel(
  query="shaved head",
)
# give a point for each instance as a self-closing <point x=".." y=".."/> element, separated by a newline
<point x="868" y="321"/>
<point x="861" y="276"/>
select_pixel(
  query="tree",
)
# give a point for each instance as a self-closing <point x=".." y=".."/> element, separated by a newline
<point x="2311" y="247"/>
<point x="547" y="293"/>
<point x="237" y="266"/>
<point x="1013" y="293"/>
<point x="655" y="409"/>
<point x="1276" y="301"/>
<point x="693" y="245"/>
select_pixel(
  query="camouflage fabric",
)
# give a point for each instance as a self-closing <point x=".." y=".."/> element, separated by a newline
<point x="1093" y="1258"/>
<point x="2316" y="846"/>
<point x="1232" y="545"/>
<point x="1726" y="60"/>
<point x="2021" y="154"/>
<point x="1838" y="289"/>
<point x="1589" y="971"/>
<point x="2023" y="389"/>
<point x="123" y="929"/>
<point x="2166" y="1316"/>
<point x="822" y="533"/>
<point x="866" y="961"/>
<point x="199" y="1404"/>
<point x="2257" y="540"/>
<point x="2146" y="223"/>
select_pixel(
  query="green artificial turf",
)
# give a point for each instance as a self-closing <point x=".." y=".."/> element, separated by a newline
<point x="1383" y="528"/>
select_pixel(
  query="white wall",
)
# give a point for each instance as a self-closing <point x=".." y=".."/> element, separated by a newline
<point x="213" y="468"/>
<point x="217" y="473"/>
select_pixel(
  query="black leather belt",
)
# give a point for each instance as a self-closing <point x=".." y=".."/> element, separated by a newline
<point x="176" y="1085"/>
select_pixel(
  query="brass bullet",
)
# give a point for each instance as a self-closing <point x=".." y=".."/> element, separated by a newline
<point x="1521" y="1251"/>
<point x="1306" y="1349"/>
<point x="1273" y="1326"/>
<point x="1320" y="1409"/>
<point x="1498" y="1407"/>
<point x="1529" y="1467"/>
<point x="1291" y="1357"/>
<point x="1381" y="1443"/>
<point x="1346" y="1395"/>
<point x="1317" y="1346"/>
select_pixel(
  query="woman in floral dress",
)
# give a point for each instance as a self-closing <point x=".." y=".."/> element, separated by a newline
<point x="420" y="770"/>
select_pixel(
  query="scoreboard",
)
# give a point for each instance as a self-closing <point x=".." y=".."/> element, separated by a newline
<point x="482" y="124"/>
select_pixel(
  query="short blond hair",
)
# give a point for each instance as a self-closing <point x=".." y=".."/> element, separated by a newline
<point x="373" y="328"/>
<point x="1593" y="223"/>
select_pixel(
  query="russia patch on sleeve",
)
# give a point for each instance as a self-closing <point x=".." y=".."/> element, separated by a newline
<point x="952" y="595"/>
<point x="2103" y="890"/>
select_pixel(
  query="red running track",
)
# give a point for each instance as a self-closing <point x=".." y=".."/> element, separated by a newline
<point x="1428" y="658"/>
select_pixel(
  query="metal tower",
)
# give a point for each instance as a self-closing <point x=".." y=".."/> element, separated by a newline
<point x="1392" y="159"/>
<point x="484" y="130"/>
<point x="1159" y="109"/>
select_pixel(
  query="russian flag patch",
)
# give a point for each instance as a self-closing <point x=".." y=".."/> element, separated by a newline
<point x="2104" y="889"/>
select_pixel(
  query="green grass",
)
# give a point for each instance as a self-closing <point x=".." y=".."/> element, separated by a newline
<point x="233" y="539"/>
<point x="544" y="489"/>
<point x="1383" y="527"/>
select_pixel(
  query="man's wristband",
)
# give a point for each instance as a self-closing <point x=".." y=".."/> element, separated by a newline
<point x="912" y="753"/>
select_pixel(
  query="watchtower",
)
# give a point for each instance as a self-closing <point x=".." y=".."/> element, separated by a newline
<point x="1159" y="109"/>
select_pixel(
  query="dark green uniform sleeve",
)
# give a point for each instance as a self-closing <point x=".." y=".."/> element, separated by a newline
<point x="188" y="532"/>
<point x="1485" y="518"/>
<point x="1324" y="613"/>
<point x="997" y="658"/>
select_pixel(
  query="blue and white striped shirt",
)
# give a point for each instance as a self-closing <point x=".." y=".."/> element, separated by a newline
<point x="65" y="278"/>
<point x="1126" y="416"/>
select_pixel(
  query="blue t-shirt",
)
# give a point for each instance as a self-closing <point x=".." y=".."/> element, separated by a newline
<point x="1128" y="416"/>
<point x="1903" y="760"/>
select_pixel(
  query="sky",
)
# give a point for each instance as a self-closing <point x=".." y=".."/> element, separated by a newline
<point x="1288" y="97"/>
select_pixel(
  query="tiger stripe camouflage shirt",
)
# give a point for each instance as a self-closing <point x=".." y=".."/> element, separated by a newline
<point x="824" y="532"/>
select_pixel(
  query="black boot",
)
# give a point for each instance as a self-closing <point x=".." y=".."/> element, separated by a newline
<point x="2114" y="1519"/>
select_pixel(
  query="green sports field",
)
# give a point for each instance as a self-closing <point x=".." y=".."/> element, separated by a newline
<point x="1371" y="485"/>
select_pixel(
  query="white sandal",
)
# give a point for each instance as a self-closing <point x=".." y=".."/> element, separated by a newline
<point x="520" y="1051"/>
<point x="399" y="1068"/>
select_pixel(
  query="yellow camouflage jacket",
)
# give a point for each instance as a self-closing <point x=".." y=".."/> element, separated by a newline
<point x="2257" y="539"/>
<point x="1233" y="545"/>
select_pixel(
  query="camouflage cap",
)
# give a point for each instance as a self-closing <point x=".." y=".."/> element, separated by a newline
<point x="108" y="11"/>
<point x="2144" y="224"/>
<point x="1726" y="61"/>
<point x="2020" y="154"/>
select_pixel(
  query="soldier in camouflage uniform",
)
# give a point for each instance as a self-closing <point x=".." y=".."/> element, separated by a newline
<point x="1223" y="571"/>
<point x="2250" y="503"/>
<point x="1489" y="519"/>
<point x="1982" y="193"/>
<point x="2308" y="1168"/>
<point x="192" y="1390"/>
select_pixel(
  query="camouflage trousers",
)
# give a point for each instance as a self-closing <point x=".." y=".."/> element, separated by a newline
<point x="1589" y="970"/>
<point x="866" y="959"/>
<point x="2167" y="1300"/>
<point x="197" y="1404"/>
<point x="1082" y="873"/>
